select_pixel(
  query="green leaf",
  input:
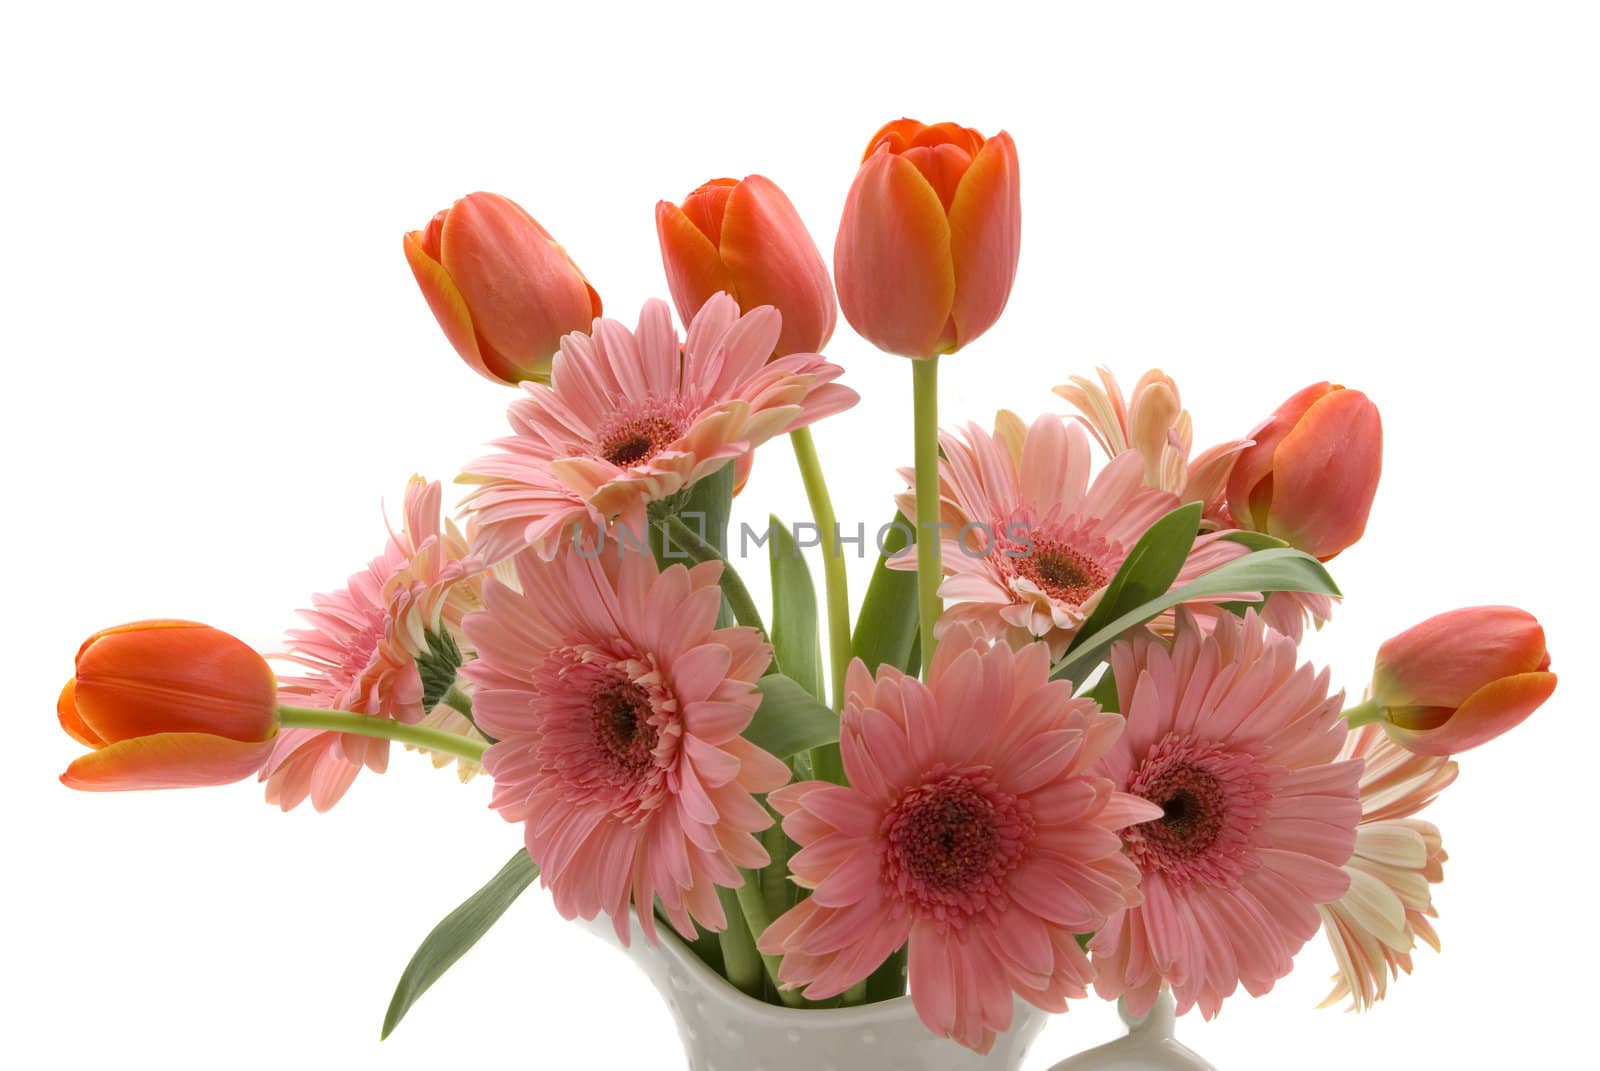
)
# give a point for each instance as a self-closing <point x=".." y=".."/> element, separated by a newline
<point x="1149" y="569"/>
<point x="1104" y="692"/>
<point x="456" y="933"/>
<point x="708" y="505"/>
<point x="886" y="630"/>
<point x="1254" y="540"/>
<point x="795" y="639"/>
<point x="790" y="719"/>
<point x="1276" y="569"/>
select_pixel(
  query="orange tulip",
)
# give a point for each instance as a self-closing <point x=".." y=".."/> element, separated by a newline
<point x="745" y="238"/>
<point x="1311" y="476"/>
<point x="167" y="704"/>
<point x="1462" y="678"/>
<point x="500" y="286"/>
<point x="927" y="249"/>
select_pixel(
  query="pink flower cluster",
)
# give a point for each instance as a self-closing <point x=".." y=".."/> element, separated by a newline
<point x="1070" y="775"/>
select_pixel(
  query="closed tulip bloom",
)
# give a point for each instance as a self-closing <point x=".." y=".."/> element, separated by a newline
<point x="500" y="286"/>
<point x="746" y="239"/>
<point x="1461" y="679"/>
<point x="927" y="249"/>
<point x="167" y="704"/>
<point x="1311" y="476"/>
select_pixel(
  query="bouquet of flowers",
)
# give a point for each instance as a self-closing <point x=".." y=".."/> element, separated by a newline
<point x="1065" y="742"/>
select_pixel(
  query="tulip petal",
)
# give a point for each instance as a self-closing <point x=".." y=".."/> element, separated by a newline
<point x="167" y="760"/>
<point x="1490" y="711"/>
<point x="524" y="291"/>
<point x="1443" y="660"/>
<point x="173" y="677"/>
<point x="891" y="261"/>
<point x="1249" y="489"/>
<point x="943" y="165"/>
<point x="985" y="237"/>
<point x="72" y="722"/>
<point x="772" y="258"/>
<point x="694" y="268"/>
<point x="1325" y="474"/>
<point x="448" y="307"/>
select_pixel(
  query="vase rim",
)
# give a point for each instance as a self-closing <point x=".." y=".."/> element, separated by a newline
<point x="878" y="1012"/>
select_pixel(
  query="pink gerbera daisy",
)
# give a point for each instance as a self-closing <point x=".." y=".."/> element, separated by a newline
<point x="618" y="706"/>
<point x="1030" y="544"/>
<point x="630" y="418"/>
<point x="1374" y="927"/>
<point x="1238" y="744"/>
<point x="972" y="826"/>
<point x="361" y="650"/>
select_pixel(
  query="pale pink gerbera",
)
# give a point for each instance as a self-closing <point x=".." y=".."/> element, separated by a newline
<point x="972" y="826"/>
<point x="1373" y="927"/>
<point x="1030" y="544"/>
<point x="1239" y="746"/>
<point x="361" y="650"/>
<point x="618" y="706"/>
<point x="1155" y="423"/>
<point x="630" y="418"/>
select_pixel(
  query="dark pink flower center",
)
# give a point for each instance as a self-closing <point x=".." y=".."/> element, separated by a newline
<point x="638" y="431"/>
<point x="1212" y="802"/>
<point x="1062" y="559"/>
<point x="622" y="728"/>
<point x="1063" y="571"/>
<point x="950" y="842"/>
<point x="609" y="730"/>
<point x="637" y="441"/>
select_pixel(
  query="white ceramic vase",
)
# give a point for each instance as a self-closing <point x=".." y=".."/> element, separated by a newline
<point x="724" y="1030"/>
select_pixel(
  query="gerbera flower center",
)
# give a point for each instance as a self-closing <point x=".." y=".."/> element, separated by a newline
<point x="638" y="440"/>
<point x="638" y="431"/>
<point x="610" y="730"/>
<point x="950" y="842"/>
<point x="1063" y="571"/>
<point x="622" y="725"/>
<point x="1212" y="802"/>
<point x="1062" y="559"/>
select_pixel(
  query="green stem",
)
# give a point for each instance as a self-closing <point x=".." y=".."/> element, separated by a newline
<point x="775" y="875"/>
<point x="460" y="702"/>
<point x="754" y="906"/>
<point x="1363" y="714"/>
<point x="833" y="563"/>
<point x="343" y="721"/>
<point x="733" y="589"/>
<point x="889" y="980"/>
<point x="925" y="432"/>
<point x="741" y="963"/>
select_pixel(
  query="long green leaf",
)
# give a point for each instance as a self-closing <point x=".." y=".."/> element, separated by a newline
<point x="709" y="503"/>
<point x="1253" y="540"/>
<point x="1276" y="569"/>
<point x="790" y="720"/>
<point x="886" y="630"/>
<point x="456" y="933"/>
<point x="1149" y="569"/>
<point x="795" y="639"/>
<point x="1104" y="692"/>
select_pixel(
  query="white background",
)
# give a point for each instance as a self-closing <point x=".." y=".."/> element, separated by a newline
<point x="217" y="367"/>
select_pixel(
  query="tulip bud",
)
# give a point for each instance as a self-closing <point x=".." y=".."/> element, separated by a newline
<point x="1311" y="476"/>
<point x="746" y="239"/>
<point x="167" y="704"/>
<point x="1462" y="678"/>
<point x="927" y="249"/>
<point x="500" y="286"/>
